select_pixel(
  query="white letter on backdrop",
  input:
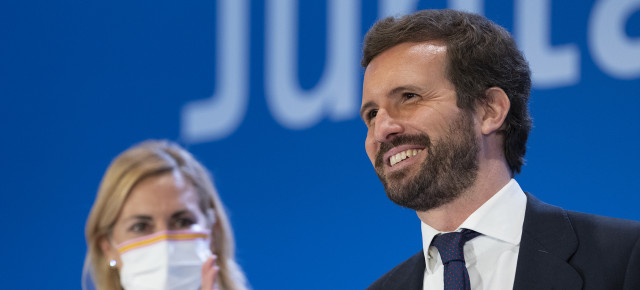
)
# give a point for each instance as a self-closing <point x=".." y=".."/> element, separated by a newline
<point x="401" y="7"/>
<point x="614" y="52"/>
<point x="551" y="66"/>
<point x="335" y="94"/>
<point x="473" y="6"/>
<point x="396" y="7"/>
<point x="220" y="115"/>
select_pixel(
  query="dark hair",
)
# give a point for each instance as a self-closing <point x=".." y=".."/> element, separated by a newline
<point x="480" y="55"/>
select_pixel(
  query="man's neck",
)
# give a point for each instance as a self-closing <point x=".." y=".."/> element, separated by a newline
<point x="450" y="216"/>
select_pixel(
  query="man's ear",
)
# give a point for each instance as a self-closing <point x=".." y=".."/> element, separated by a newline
<point x="494" y="111"/>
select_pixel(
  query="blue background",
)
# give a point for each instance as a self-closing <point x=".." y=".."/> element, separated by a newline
<point x="81" y="81"/>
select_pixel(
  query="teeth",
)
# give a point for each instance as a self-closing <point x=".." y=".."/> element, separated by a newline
<point x="403" y="155"/>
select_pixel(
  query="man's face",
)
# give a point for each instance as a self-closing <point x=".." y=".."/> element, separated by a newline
<point x="423" y="147"/>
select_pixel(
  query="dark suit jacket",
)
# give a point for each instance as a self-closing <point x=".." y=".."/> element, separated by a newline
<point x="559" y="249"/>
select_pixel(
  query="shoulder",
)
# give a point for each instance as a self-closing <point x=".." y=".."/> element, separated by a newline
<point x="603" y="223"/>
<point x="407" y="275"/>
<point x="604" y="250"/>
<point x="609" y="247"/>
<point x="587" y="228"/>
<point x="605" y="232"/>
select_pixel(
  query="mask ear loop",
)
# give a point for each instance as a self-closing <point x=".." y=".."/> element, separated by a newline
<point x="211" y="218"/>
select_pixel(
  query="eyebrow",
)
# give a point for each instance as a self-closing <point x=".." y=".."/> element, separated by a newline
<point x="392" y="92"/>
<point x="140" y="217"/>
<point x="179" y="213"/>
<point x="148" y="218"/>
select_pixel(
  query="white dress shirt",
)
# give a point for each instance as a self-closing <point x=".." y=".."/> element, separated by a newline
<point x="490" y="258"/>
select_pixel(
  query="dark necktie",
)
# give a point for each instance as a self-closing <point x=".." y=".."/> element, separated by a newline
<point x="450" y="247"/>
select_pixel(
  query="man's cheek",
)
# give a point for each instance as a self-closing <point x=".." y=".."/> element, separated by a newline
<point x="371" y="152"/>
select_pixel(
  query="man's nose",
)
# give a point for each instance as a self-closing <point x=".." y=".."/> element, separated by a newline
<point x="386" y="127"/>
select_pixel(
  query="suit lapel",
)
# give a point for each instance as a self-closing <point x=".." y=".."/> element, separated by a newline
<point x="407" y="276"/>
<point x="548" y="241"/>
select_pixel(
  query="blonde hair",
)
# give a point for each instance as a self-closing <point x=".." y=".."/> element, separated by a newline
<point x="146" y="159"/>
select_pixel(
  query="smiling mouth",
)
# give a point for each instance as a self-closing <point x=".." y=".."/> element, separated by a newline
<point x="399" y="157"/>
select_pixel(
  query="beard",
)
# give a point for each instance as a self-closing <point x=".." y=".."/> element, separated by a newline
<point x="450" y="167"/>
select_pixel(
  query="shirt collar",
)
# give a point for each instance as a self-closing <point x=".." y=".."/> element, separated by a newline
<point x="500" y="217"/>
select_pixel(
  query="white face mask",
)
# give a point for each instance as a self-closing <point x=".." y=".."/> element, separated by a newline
<point x="164" y="261"/>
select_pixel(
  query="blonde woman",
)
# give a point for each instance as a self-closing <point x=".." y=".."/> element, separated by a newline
<point x="158" y="223"/>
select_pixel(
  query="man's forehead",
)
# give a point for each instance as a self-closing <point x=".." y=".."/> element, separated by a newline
<point x="427" y="47"/>
<point x="405" y="55"/>
<point x="397" y="67"/>
<point x="424" y="49"/>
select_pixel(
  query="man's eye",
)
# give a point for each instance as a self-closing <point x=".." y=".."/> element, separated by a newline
<point x="409" y="95"/>
<point x="372" y="114"/>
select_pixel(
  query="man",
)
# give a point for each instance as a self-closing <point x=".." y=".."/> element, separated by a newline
<point x="444" y="99"/>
